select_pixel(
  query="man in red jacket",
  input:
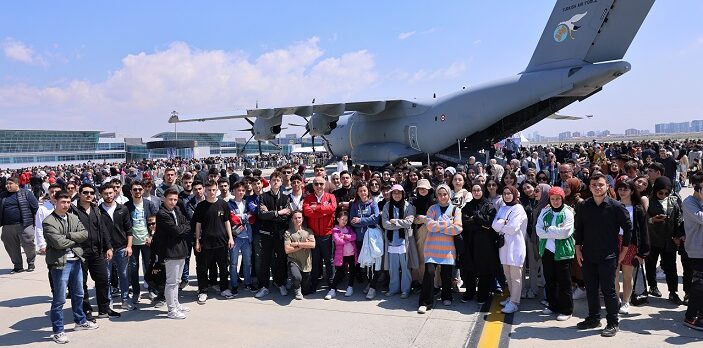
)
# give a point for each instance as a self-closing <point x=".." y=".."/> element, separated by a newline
<point x="318" y="209"/>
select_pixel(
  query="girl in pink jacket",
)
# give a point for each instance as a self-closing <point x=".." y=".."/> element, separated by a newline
<point x="344" y="255"/>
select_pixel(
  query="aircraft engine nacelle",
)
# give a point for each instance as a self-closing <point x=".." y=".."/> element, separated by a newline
<point x="321" y="124"/>
<point x="267" y="128"/>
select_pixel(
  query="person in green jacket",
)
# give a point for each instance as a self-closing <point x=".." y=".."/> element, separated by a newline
<point x="555" y="229"/>
<point x="63" y="232"/>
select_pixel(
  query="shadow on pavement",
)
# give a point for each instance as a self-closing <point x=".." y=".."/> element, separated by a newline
<point x="25" y="301"/>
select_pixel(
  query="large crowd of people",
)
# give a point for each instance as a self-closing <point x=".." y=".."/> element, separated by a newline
<point x="556" y="223"/>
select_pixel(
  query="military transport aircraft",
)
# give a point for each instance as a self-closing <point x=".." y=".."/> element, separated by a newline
<point x="581" y="49"/>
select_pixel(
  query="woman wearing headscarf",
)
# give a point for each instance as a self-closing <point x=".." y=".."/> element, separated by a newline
<point x="555" y="228"/>
<point x="401" y="252"/>
<point x="511" y="223"/>
<point x="422" y="200"/>
<point x="664" y="219"/>
<point x="480" y="259"/>
<point x="443" y="222"/>
<point x="530" y="199"/>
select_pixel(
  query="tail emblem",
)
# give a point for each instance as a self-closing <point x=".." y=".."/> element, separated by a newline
<point x="567" y="28"/>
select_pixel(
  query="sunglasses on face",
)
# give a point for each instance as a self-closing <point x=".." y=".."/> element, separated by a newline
<point x="137" y="189"/>
<point x="88" y="193"/>
<point x="151" y="223"/>
<point x="319" y="183"/>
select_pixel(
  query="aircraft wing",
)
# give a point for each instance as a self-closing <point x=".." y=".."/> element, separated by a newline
<point x="564" y="117"/>
<point x="334" y="109"/>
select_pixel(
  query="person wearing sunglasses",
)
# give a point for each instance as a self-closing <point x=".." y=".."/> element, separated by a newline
<point x="664" y="220"/>
<point x="139" y="210"/>
<point x="97" y="249"/>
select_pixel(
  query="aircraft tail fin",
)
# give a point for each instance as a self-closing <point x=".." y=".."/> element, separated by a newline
<point x="588" y="31"/>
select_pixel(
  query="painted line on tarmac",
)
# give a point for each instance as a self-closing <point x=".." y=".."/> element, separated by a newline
<point x="492" y="329"/>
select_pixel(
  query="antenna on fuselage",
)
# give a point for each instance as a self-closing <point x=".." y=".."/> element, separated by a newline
<point x="434" y="95"/>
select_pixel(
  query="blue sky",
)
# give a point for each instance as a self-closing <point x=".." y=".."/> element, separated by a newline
<point x="123" y="66"/>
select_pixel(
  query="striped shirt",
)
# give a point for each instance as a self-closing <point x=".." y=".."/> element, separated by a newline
<point x="441" y="229"/>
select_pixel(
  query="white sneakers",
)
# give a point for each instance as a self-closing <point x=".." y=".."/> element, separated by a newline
<point x="88" y="325"/>
<point x="284" y="291"/>
<point x="579" y="294"/>
<point x="182" y="308"/>
<point x="60" y="338"/>
<point x="298" y="294"/>
<point x="331" y="294"/>
<point x="625" y="308"/>
<point x="563" y="317"/>
<point x="371" y="294"/>
<point x="227" y="294"/>
<point x="350" y="291"/>
<point x="202" y="298"/>
<point x="510" y="307"/>
<point x="176" y="315"/>
<point x="422" y="310"/>
<point x="262" y="292"/>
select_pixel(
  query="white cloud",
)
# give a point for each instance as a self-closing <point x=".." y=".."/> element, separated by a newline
<point x="20" y="52"/>
<point x="405" y="35"/>
<point x="450" y="72"/>
<point x="138" y="97"/>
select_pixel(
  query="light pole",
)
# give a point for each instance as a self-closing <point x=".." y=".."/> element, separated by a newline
<point x="174" y="114"/>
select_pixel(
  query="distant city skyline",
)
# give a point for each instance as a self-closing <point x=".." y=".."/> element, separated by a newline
<point x="71" y="65"/>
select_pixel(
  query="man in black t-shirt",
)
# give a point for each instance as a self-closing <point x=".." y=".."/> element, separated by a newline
<point x="213" y="239"/>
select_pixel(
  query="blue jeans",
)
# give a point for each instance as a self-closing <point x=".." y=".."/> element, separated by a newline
<point x="120" y="258"/>
<point x="145" y="252"/>
<point x="242" y="245"/>
<point x="70" y="276"/>
<point x="190" y="240"/>
<point x="400" y="274"/>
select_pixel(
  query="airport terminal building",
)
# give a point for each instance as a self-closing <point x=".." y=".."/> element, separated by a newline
<point x="26" y="148"/>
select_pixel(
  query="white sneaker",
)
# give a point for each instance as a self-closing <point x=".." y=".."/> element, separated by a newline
<point x="88" y="325"/>
<point x="625" y="308"/>
<point x="547" y="311"/>
<point x="202" y="298"/>
<point x="262" y="292"/>
<point x="504" y="302"/>
<point x="176" y="315"/>
<point x="422" y="310"/>
<point x="371" y="294"/>
<point x="183" y="309"/>
<point x="284" y="291"/>
<point x="579" y="294"/>
<point x="350" y="291"/>
<point x="510" y="307"/>
<point x="563" y="317"/>
<point x="60" y="338"/>
<point x="152" y="295"/>
<point x="331" y="294"/>
<point x="298" y="294"/>
<point x="227" y="294"/>
<point x="128" y="306"/>
<point x="160" y="304"/>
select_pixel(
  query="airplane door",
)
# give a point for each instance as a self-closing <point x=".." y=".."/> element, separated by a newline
<point x="412" y="137"/>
